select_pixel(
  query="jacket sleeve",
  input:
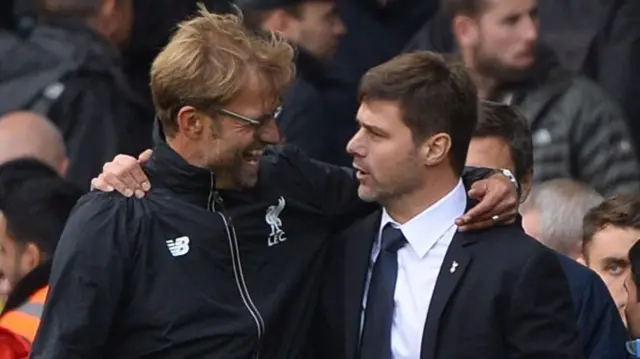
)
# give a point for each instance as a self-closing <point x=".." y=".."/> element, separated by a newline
<point x="606" y="158"/>
<point x="540" y="319"/>
<point x="89" y="269"/>
<point x="334" y="189"/>
<point x="602" y="328"/>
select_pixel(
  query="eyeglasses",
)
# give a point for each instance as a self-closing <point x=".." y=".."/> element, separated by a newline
<point x="257" y="122"/>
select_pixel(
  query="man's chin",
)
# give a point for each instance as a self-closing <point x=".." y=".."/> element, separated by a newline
<point x="366" y="194"/>
<point x="248" y="178"/>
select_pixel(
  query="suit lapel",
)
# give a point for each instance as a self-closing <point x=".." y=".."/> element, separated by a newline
<point x="356" y="257"/>
<point x="456" y="263"/>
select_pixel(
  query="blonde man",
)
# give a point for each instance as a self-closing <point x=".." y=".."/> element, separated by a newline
<point x="161" y="277"/>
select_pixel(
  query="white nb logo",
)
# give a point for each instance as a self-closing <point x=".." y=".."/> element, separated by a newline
<point x="179" y="246"/>
<point x="272" y="218"/>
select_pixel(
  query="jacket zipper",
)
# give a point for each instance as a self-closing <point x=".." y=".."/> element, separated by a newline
<point x="215" y="199"/>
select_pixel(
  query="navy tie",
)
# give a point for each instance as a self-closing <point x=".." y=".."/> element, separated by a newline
<point x="375" y="342"/>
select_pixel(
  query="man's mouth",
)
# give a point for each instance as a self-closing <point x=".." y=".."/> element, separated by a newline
<point x="252" y="156"/>
<point x="360" y="173"/>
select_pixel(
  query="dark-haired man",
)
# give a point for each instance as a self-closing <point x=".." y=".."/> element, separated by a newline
<point x="34" y="203"/>
<point x="502" y="139"/>
<point x="404" y="282"/>
<point x="609" y="231"/>
<point x="578" y="132"/>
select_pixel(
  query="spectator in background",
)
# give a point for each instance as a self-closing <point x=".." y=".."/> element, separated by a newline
<point x="34" y="203"/>
<point x="601" y="40"/>
<point x="69" y="69"/>
<point x="502" y="139"/>
<point x="315" y="28"/>
<point x="577" y="131"/>
<point x="610" y="230"/>
<point x="554" y="211"/>
<point x="27" y="134"/>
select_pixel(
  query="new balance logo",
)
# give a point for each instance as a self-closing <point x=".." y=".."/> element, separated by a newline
<point x="179" y="246"/>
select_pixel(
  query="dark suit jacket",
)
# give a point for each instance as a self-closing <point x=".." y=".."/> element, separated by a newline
<point x="508" y="298"/>
<point x="601" y="330"/>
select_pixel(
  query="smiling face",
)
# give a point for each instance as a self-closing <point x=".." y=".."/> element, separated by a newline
<point x="231" y="146"/>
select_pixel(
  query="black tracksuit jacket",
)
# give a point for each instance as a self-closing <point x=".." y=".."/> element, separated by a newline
<point x="173" y="276"/>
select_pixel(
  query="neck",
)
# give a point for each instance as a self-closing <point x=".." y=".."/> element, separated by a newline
<point x="195" y="157"/>
<point x="486" y="85"/>
<point x="403" y="208"/>
<point x="187" y="151"/>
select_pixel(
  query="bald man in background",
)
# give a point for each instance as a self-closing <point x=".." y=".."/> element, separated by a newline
<point x="26" y="134"/>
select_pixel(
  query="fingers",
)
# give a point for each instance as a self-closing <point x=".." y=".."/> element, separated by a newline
<point x="125" y="175"/>
<point x="505" y="218"/>
<point x="112" y="182"/>
<point x="497" y="197"/>
<point x="99" y="184"/>
<point x="478" y="190"/>
<point x="145" y="156"/>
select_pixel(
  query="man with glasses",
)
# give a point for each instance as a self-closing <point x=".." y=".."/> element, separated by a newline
<point x="221" y="259"/>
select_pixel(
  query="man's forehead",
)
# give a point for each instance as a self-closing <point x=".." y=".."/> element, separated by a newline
<point x="613" y="242"/>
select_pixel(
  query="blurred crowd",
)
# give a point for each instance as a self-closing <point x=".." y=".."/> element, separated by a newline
<point x="74" y="93"/>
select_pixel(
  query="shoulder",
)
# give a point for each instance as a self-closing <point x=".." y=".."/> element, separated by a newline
<point x="510" y="236"/>
<point x="99" y="208"/>
<point x="516" y="250"/>
<point x="283" y="155"/>
<point x="290" y="163"/>
<point x="588" y="95"/>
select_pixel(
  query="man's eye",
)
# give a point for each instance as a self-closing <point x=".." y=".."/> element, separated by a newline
<point x="614" y="269"/>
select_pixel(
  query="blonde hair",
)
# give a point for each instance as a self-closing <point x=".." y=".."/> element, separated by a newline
<point x="206" y="62"/>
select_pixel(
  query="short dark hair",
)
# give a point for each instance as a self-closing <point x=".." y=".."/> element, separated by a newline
<point x="254" y="18"/>
<point x="508" y="123"/>
<point x="35" y="203"/>
<point x="436" y="94"/>
<point x="634" y="259"/>
<point x="453" y="8"/>
<point x="622" y="211"/>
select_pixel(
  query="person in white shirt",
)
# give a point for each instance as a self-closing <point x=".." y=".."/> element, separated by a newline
<point x="404" y="283"/>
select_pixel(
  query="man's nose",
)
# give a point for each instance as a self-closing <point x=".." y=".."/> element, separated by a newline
<point x="531" y="30"/>
<point x="354" y="146"/>
<point x="270" y="133"/>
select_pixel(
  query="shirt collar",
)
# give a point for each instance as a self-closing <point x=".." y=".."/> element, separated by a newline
<point x="425" y="229"/>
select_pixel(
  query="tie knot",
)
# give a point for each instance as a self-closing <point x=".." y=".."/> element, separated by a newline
<point x="392" y="239"/>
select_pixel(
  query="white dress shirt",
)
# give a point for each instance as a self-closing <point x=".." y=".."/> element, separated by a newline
<point x="428" y="235"/>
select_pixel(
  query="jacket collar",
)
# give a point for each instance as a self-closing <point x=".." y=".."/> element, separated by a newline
<point x="167" y="169"/>
<point x="31" y="283"/>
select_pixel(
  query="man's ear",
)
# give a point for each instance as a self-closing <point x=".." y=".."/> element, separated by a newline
<point x="435" y="149"/>
<point x="191" y="122"/>
<point x="277" y="21"/>
<point x="465" y="30"/>
<point x="31" y="257"/>
<point x="526" y="184"/>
